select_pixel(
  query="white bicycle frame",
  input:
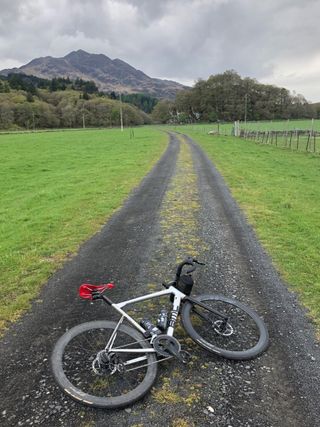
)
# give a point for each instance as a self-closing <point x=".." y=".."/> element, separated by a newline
<point x="178" y="297"/>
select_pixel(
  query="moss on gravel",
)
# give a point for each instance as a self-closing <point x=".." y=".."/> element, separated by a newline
<point x="180" y="208"/>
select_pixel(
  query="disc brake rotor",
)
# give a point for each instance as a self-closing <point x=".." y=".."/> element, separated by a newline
<point x="226" y="330"/>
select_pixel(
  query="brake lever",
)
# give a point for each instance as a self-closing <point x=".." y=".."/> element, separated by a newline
<point x="191" y="270"/>
<point x="198" y="262"/>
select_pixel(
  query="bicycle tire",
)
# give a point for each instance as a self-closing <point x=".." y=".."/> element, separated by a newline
<point x="77" y="384"/>
<point x="205" y="331"/>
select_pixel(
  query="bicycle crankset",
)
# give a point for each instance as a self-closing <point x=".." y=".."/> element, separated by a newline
<point x="167" y="346"/>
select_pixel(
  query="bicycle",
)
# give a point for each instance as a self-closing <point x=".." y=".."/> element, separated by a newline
<point x="108" y="364"/>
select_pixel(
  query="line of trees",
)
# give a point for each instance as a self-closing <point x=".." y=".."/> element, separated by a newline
<point x="27" y="102"/>
<point x="229" y="97"/>
<point x="30" y="102"/>
<point x="32" y="84"/>
<point x="142" y="101"/>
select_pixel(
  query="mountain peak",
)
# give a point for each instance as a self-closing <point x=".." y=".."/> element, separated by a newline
<point x="79" y="52"/>
<point x="109" y="75"/>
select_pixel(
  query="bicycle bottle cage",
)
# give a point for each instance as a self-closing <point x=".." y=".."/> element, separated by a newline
<point x="85" y="290"/>
<point x="185" y="284"/>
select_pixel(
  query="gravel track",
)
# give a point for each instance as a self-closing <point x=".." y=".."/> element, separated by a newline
<point x="138" y="248"/>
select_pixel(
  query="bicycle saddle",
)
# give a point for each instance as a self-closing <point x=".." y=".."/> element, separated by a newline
<point x="86" y="290"/>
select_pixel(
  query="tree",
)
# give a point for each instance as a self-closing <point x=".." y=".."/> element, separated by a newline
<point x="229" y="97"/>
<point x="29" y="97"/>
<point x="6" y="115"/>
<point x="90" y="87"/>
<point x="4" y="87"/>
<point x="113" y="95"/>
<point x="67" y="115"/>
<point x="23" y="115"/>
<point x="44" y="115"/>
<point x="164" y="112"/>
<point x="53" y="107"/>
<point x="144" y="102"/>
<point x="53" y="85"/>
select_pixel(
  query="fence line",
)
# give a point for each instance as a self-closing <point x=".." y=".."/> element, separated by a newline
<point x="297" y="139"/>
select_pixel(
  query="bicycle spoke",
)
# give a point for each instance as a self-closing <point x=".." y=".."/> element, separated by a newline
<point x="240" y="330"/>
<point x="82" y="351"/>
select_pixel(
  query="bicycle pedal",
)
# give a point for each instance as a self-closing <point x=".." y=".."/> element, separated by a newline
<point x="184" y="356"/>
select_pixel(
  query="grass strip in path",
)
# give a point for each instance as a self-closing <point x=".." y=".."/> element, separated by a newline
<point x="180" y="237"/>
<point x="57" y="189"/>
<point x="180" y="208"/>
<point x="280" y="193"/>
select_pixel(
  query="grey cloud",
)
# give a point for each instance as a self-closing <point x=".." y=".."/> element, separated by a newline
<point x="184" y="39"/>
<point x="151" y="10"/>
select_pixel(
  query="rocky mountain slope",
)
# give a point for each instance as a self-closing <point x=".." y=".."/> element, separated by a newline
<point x="109" y="75"/>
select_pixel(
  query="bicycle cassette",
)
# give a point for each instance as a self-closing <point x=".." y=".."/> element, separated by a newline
<point x="166" y="346"/>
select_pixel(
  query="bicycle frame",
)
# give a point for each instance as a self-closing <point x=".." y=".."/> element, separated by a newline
<point x="178" y="297"/>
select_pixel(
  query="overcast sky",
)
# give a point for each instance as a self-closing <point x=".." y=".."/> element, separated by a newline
<point x="275" y="41"/>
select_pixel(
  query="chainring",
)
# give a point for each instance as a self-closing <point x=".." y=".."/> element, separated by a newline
<point x="166" y="346"/>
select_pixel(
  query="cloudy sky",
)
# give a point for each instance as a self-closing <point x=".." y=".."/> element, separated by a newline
<point x="275" y="41"/>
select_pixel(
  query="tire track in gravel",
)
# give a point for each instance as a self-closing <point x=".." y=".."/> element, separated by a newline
<point x="281" y="388"/>
<point x="199" y="217"/>
<point x="180" y="390"/>
<point x="183" y="207"/>
<point x="28" y="394"/>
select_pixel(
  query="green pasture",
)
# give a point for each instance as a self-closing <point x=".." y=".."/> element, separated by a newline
<point x="283" y="125"/>
<point x="298" y="141"/>
<point x="279" y="192"/>
<point x="57" y="189"/>
<point x="226" y="128"/>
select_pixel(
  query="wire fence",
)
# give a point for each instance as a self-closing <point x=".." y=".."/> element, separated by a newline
<point x="297" y="139"/>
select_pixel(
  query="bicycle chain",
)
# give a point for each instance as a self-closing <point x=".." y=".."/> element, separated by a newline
<point x="148" y="364"/>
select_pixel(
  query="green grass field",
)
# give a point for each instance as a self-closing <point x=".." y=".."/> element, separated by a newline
<point x="57" y="189"/>
<point x="225" y="128"/>
<point x="292" y="142"/>
<point x="280" y="193"/>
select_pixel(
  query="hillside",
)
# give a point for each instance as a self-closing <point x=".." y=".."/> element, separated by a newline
<point x="27" y="102"/>
<point x="109" y="75"/>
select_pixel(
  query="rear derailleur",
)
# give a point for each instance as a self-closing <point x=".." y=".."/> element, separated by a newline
<point x="107" y="363"/>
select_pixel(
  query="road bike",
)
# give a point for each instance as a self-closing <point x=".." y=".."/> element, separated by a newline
<point x="109" y="364"/>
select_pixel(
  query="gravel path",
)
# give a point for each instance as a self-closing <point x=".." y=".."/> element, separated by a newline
<point x="182" y="207"/>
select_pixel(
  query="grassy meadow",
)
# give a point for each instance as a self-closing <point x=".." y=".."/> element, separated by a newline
<point x="279" y="192"/>
<point x="57" y="189"/>
<point x="226" y="128"/>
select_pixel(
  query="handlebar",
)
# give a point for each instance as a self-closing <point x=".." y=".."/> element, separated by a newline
<point x="188" y="261"/>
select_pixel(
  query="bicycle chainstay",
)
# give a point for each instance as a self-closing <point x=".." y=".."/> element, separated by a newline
<point x="166" y="346"/>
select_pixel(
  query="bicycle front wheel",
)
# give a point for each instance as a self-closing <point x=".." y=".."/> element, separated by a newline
<point x="242" y="336"/>
<point x="116" y="380"/>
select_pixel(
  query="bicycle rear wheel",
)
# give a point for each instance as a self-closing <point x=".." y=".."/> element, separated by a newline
<point x="102" y="385"/>
<point x="243" y="336"/>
